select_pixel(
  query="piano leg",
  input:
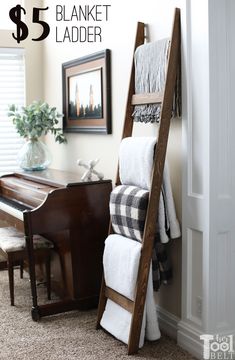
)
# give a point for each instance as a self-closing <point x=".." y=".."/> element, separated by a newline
<point x="48" y="277"/>
<point x="35" y="312"/>
<point x="22" y="269"/>
<point x="48" y="309"/>
<point x="11" y="278"/>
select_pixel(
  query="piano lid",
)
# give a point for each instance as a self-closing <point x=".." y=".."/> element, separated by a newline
<point x="55" y="178"/>
<point x="51" y="177"/>
<point x="31" y="188"/>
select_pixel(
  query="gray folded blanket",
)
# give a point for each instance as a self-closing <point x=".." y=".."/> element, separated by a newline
<point x="150" y="76"/>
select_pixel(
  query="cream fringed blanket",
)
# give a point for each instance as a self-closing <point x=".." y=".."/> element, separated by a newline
<point x="150" y="76"/>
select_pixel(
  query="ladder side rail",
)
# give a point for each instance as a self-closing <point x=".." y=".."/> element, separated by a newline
<point x="127" y="131"/>
<point x="128" y="121"/>
<point x="152" y="212"/>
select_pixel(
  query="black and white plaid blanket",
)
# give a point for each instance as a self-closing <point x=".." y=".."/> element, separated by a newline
<point x="161" y="263"/>
<point x="128" y="207"/>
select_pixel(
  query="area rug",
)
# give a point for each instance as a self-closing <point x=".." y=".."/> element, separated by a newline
<point x="69" y="336"/>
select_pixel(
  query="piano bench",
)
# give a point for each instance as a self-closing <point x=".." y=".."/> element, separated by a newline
<point x="13" y="249"/>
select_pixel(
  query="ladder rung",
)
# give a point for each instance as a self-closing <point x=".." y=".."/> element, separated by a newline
<point x="119" y="299"/>
<point x="148" y="98"/>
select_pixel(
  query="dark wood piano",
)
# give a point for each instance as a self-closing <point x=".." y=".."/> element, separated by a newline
<point x="75" y="216"/>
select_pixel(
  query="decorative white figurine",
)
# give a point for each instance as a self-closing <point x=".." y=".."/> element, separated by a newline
<point x="87" y="176"/>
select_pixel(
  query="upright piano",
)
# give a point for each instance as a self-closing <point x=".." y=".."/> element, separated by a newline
<point x="72" y="214"/>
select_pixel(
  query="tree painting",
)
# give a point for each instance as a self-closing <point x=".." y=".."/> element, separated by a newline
<point x="85" y="95"/>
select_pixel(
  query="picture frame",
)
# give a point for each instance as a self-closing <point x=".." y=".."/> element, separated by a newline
<point x="86" y="85"/>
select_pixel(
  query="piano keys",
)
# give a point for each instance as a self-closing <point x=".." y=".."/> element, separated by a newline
<point x="72" y="214"/>
<point x="11" y="208"/>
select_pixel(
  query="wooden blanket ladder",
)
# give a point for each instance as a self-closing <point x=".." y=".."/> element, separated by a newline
<point x="136" y="307"/>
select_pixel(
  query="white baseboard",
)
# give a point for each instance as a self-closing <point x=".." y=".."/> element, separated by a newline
<point x="186" y="334"/>
<point x="168" y="322"/>
<point x="188" y="337"/>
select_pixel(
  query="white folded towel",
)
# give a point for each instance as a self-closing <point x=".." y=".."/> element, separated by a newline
<point x="121" y="262"/>
<point x="135" y="167"/>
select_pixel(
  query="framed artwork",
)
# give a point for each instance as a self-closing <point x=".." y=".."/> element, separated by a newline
<point x="87" y="94"/>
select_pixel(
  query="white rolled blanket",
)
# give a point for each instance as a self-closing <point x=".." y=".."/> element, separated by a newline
<point x="121" y="262"/>
<point x="136" y="161"/>
<point x="135" y="167"/>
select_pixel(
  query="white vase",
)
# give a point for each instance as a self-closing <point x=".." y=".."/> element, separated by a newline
<point x="34" y="155"/>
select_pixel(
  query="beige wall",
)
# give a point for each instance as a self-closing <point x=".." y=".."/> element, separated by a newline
<point x="118" y="35"/>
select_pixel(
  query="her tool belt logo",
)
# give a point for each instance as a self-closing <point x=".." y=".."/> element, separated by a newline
<point x="217" y="347"/>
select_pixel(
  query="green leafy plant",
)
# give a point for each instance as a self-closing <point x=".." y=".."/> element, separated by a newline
<point x="37" y="120"/>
